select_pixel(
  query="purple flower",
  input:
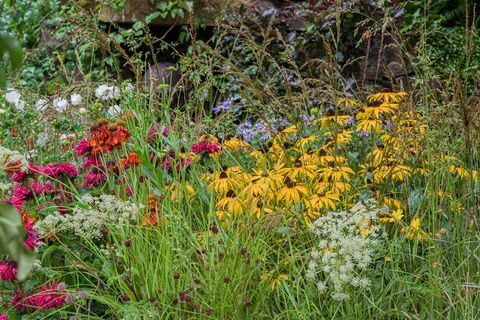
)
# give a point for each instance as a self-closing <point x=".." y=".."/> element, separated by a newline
<point x="389" y="125"/>
<point x="350" y="121"/>
<point x="306" y="118"/>
<point x="224" y="106"/>
<point x="364" y="134"/>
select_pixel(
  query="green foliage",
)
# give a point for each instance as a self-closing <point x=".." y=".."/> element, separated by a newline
<point x="171" y="8"/>
<point x="12" y="234"/>
<point x="9" y="47"/>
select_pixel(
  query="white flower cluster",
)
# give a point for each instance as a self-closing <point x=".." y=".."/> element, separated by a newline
<point x="88" y="221"/>
<point x="347" y="245"/>
<point x="13" y="96"/>
<point x="106" y="92"/>
<point x="5" y="187"/>
<point x="12" y="160"/>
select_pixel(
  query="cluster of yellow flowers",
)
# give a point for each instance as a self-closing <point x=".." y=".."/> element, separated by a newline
<point x="326" y="164"/>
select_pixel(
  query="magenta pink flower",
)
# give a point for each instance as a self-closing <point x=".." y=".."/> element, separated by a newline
<point x="39" y="188"/>
<point x="18" y="300"/>
<point x="8" y="270"/>
<point x="3" y="316"/>
<point x="15" y="202"/>
<point x="93" y="179"/>
<point x="68" y="169"/>
<point x="82" y="148"/>
<point x="205" y="147"/>
<point x="18" y="176"/>
<point x="50" y="296"/>
<point x="32" y="238"/>
<point x="20" y="192"/>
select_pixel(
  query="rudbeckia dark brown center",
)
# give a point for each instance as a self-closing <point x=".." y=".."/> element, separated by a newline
<point x="223" y="175"/>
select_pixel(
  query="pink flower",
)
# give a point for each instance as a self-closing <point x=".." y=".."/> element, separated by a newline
<point x="50" y="170"/>
<point x="183" y="163"/>
<point x="205" y="147"/>
<point x="39" y="188"/>
<point x="18" y="176"/>
<point x="8" y="270"/>
<point x="50" y="296"/>
<point x="18" y="300"/>
<point x="92" y="161"/>
<point x="82" y="148"/>
<point x="32" y="238"/>
<point x="93" y="179"/>
<point x="68" y="169"/>
<point x="166" y="163"/>
<point x="129" y="191"/>
<point x="3" y="316"/>
<point x="15" y="202"/>
<point x="20" y="192"/>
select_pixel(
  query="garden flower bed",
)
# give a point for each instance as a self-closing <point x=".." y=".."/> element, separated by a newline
<point x="134" y="216"/>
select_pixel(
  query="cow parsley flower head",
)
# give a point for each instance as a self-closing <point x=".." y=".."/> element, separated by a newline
<point x="347" y="244"/>
<point x="12" y="161"/>
<point x="88" y="221"/>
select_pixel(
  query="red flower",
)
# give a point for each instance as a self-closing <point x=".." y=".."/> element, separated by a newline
<point x="20" y="192"/>
<point x="8" y="270"/>
<point x="131" y="161"/>
<point x="205" y="147"/>
<point x="50" y="296"/>
<point x="82" y="148"/>
<point x="93" y="179"/>
<point x="68" y="169"/>
<point x="19" y="176"/>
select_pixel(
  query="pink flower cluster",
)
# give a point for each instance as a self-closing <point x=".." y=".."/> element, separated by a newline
<point x="207" y="147"/>
<point x="53" y="170"/>
<point x="3" y="316"/>
<point x="49" y="296"/>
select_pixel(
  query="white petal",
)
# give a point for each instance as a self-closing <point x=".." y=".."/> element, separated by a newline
<point x="12" y="96"/>
<point x="76" y="99"/>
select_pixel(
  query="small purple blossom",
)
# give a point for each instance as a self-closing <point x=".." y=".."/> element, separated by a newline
<point x="307" y="119"/>
<point x="364" y="134"/>
<point x="389" y="125"/>
<point x="224" y="106"/>
<point x="350" y="121"/>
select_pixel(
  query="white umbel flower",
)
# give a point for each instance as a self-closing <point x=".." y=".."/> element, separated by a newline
<point x="347" y="242"/>
<point x="87" y="221"/>
<point x="12" y="160"/>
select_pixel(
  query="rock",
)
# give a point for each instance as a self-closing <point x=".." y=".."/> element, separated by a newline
<point x="161" y="73"/>
<point x="384" y="63"/>
<point x="47" y="36"/>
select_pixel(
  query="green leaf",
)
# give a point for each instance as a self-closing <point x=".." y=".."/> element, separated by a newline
<point x="138" y="25"/>
<point x="12" y="235"/>
<point x="151" y="17"/>
<point x="9" y="46"/>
